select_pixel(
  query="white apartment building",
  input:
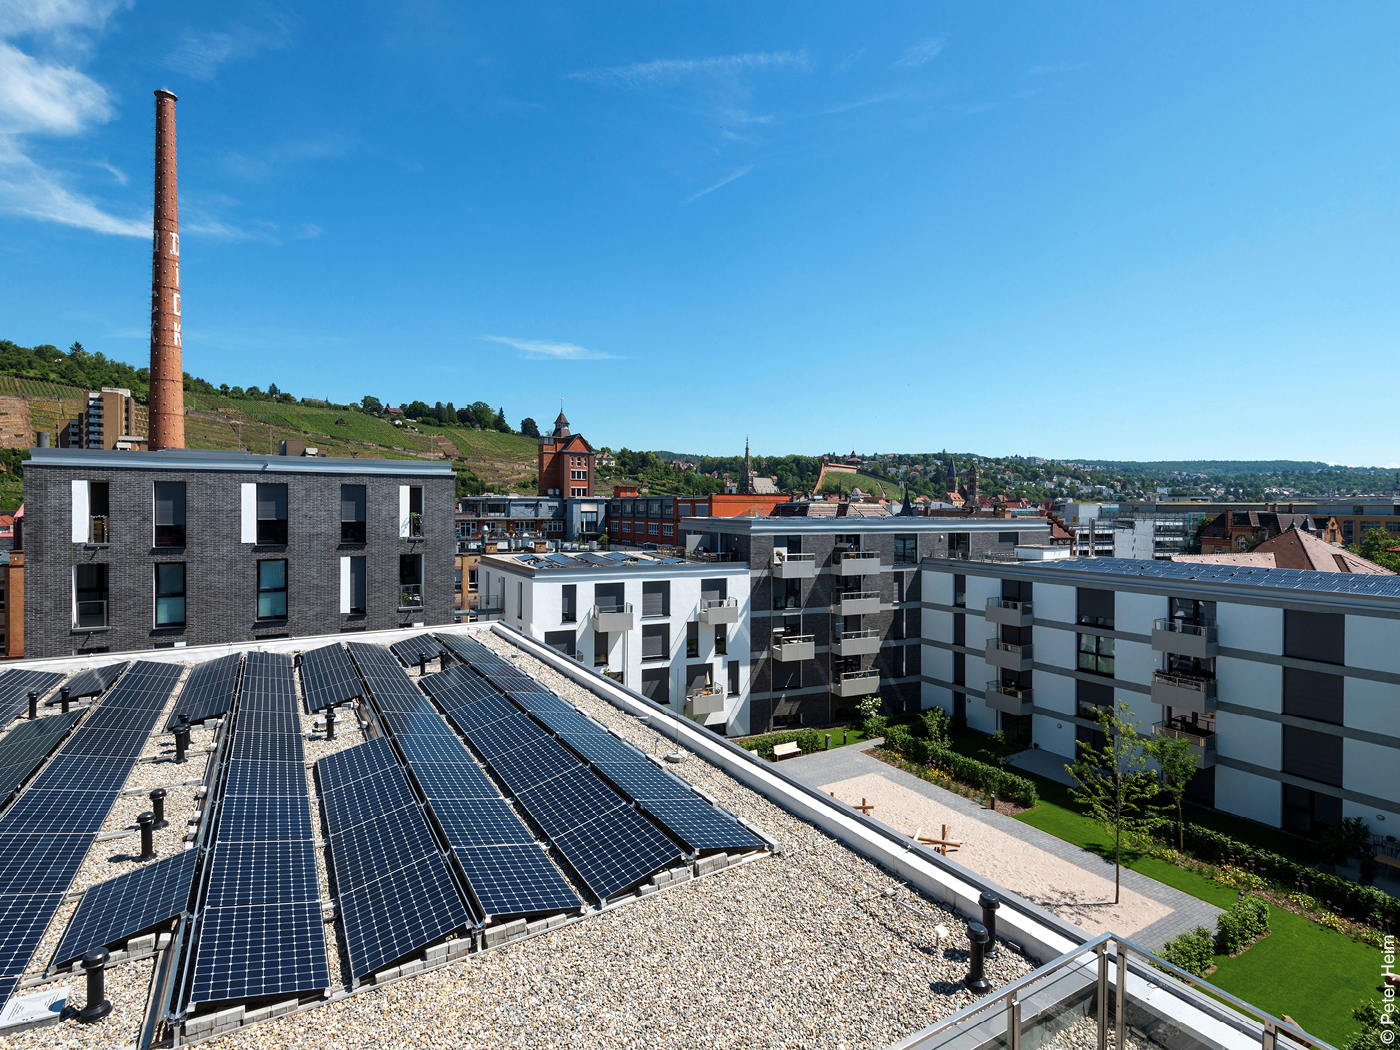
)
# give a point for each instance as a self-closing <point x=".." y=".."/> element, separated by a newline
<point x="676" y="631"/>
<point x="1287" y="682"/>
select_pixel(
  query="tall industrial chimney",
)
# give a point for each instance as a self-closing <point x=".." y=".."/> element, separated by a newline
<point x="167" y="406"/>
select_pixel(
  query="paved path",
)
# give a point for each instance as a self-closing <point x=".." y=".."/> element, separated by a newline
<point x="829" y="767"/>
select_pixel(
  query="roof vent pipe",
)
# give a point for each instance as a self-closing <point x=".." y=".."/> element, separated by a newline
<point x="42" y="439"/>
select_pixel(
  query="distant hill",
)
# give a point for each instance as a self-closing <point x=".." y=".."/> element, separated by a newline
<point x="1209" y="466"/>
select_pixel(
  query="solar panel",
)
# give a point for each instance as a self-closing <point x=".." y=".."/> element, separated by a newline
<point x="95" y="680"/>
<point x="701" y="826"/>
<point x="285" y="722"/>
<point x="267" y="747"/>
<point x="409" y="649"/>
<point x="58" y="812"/>
<point x="354" y="763"/>
<point x="564" y="802"/>
<point x="516" y="880"/>
<point x="423" y="722"/>
<point x="38" y="728"/>
<point x="119" y="718"/>
<point x="532" y="764"/>
<point x="643" y="781"/>
<point x="260" y="818"/>
<point x="113" y="743"/>
<point x="27" y="745"/>
<point x="504" y="736"/>
<point x="263" y="950"/>
<point x="40" y="863"/>
<point x="328" y="677"/>
<point x="434" y="749"/>
<point x="379" y="847"/>
<point x="598" y="748"/>
<point x="614" y="852"/>
<point x="366" y="799"/>
<point x="122" y="907"/>
<point x="245" y="873"/>
<point x="83" y="773"/>
<point x="439" y="780"/>
<point x="457" y="686"/>
<point x="23" y="917"/>
<point x="387" y="919"/>
<point x="480" y="822"/>
<point x="269" y="683"/>
<point x="208" y="691"/>
<point x="537" y="703"/>
<point x="253" y="777"/>
<point x="569" y="722"/>
<point x="482" y="713"/>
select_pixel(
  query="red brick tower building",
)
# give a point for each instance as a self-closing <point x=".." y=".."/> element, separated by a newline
<point x="566" y="463"/>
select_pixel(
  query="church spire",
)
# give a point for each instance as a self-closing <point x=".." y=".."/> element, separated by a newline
<point x="744" y="482"/>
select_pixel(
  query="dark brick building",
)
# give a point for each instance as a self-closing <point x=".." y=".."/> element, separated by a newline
<point x="140" y="550"/>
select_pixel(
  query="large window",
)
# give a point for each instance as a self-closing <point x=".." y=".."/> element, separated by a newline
<point x="169" y="514"/>
<point x="90" y="596"/>
<point x="692" y="640"/>
<point x="656" y="641"/>
<point x="411" y="581"/>
<point x="656" y="598"/>
<point x="1095" y="608"/>
<point x="272" y="514"/>
<point x="1096" y="653"/>
<point x="170" y="593"/>
<point x="656" y="684"/>
<point x="352" y="514"/>
<point x="787" y="594"/>
<point x="568" y="604"/>
<point x="906" y="550"/>
<point x="272" y="584"/>
<point x="415" y="511"/>
<point x="99" y="509"/>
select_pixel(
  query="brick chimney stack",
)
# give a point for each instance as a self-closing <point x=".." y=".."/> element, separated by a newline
<point x="167" y="402"/>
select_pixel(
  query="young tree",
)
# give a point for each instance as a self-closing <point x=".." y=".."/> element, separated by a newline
<point x="370" y="403"/>
<point x="482" y="415"/>
<point x="499" y="421"/>
<point x="529" y="428"/>
<point x="272" y="390"/>
<point x="1114" y="785"/>
<point x="1178" y="766"/>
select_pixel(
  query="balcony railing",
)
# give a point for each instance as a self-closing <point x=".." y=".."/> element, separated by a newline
<point x="1197" y="641"/>
<point x="794" y="566"/>
<point x="856" y="683"/>
<point x="855" y="563"/>
<point x="858" y="603"/>
<point x="705" y="701"/>
<point x="1007" y="656"/>
<point x="719" y="610"/>
<point x="1199" y="737"/>
<point x="410" y="596"/>
<point x="1184" y="692"/>
<point x="856" y="643"/>
<point x="90" y="614"/>
<point x="790" y="647"/>
<point x="1003" y="611"/>
<point x="1008" y="698"/>
<point x="415" y="526"/>
<point x="609" y="618"/>
<point x="98" y="529"/>
<point x="1184" y="681"/>
<point x="1207" y="631"/>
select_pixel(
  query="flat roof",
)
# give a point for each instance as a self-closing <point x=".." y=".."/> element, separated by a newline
<point x="241" y="462"/>
<point x="893" y="523"/>
<point x="610" y="561"/>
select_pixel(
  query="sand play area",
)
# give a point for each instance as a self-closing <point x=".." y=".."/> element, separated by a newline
<point x="1043" y="878"/>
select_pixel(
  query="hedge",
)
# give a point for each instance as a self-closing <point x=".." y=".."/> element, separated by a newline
<point x="1193" y="952"/>
<point x="1245" y="922"/>
<point x="1355" y="900"/>
<point x="982" y="775"/>
<point x="808" y="740"/>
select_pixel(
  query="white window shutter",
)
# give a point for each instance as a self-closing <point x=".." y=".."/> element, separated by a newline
<point x="248" y="499"/>
<point x="81" y="513"/>
<point x="345" y="585"/>
<point x="403" y="510"/>
<point x="73" y="587"/>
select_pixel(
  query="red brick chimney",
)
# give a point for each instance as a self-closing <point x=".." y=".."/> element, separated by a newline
<point x="167" y="404"/>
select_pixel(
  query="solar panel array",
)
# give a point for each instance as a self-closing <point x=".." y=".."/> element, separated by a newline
<point x="396" y="893"/>
<point x="15" y="686"/>
<point x="410" y="649"/>
<point x="28" y="744"/>
<point x="508" y="872"/>
<point x="95" y="680"/>
<point x="120" y="908"/>
<point x="46" y="834"/>
<point x="261" y="931"/>
<point x="1289" y="579"/>
<point x="328" y="678"/>
<point x="208" y="691"/>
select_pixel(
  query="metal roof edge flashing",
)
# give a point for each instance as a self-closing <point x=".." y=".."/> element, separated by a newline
<point x="1040" y="934"/>
<point x="233" y="462"/>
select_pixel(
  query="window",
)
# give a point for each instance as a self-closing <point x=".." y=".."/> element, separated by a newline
<point x="906" y="550"/>
<point x="357" y="586"/>
<point x="683" y="509"/>
<point x="170" y="593"/>
<point x="554" y="526"/>
<point x="520" y="600"/>
<point x="656" y="598"/>
<point x="352" y="515"/>
<point x="600" y="649"/>
<point x="1096" y="653"/>
<point x="563" y="641"/>
<point x="1009" y="539"/>
<point x="1313" y="694"/>
<point x="272" y="585"/>
<point x="733" y="677"/>
<point x="787" y="594"/>
<point x="578" y="491"/>
<point x="668" y="530"/>
<point x="568" y="604"/>
<point x="1095" y="607"/>
<point x="411" y="581"/>
<point x="692" y="640"/>
<point x="1314" y="636"/>
<point x="89" y="596"/>
<point x="99" y="509"/>
<point x="721" y="640"/>
<point x="169" y="514"/>
<point x="656" y="641"/>
<point x="578" y="475"/>
<point x="626" y="526"/>
<point x="272" y="515"/>
<point x="415" y="511"/>
<point x="656" y="684"/>
<point x="652" y="528"/>
<point x="1313" y="755"/>
<point x="960" y="590"/>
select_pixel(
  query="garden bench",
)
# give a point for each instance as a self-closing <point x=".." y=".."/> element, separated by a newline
<point x="1381" y="858"/>
<point x="787" y="750"/>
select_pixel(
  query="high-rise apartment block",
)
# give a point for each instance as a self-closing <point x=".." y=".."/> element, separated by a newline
<point x="108" y="420"/>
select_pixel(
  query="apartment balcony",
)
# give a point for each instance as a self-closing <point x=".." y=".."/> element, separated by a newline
<point x="856" y="683"/>
<point x="1202" y="742"/>
<point x="1185" y="639"/>
<point x="609" y="619"/>
<point x="855" y="563"/>
<point x="1008" y="657"/>
<point x="1183" y="692"/>
<point x="856" y="643"/>
<point x="703" y="704"/>
<point x="792" y="647"/>
<point x="719" y="610"/>
<point x="858" y="603"/>
<point x="794" y="566"/>
<point x="1008" y="699"/>
<point x="1006" y="613"/>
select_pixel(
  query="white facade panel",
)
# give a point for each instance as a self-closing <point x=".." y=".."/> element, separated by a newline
<point x="81" y="512"/>
<point x="1249" y="795"/>
<point x="1251" y="627"/>
<point x="1055" y="647"/>
<point x="1052" y="601"/>
<point x="1135" y="661"/>
<point x="1252" y="740"/>
<point x="345" y="584"/>
<point x="1134" y="613"/>
<point x="1370" y="768"/>
<point x="1373" y="706"/>
<point x="1054" y="735"/>
<point x="403" y="510"/>
<point x="1249" y="684"/>
<point x="938" y="587"/>
<point x="937" y="696"/>
<point x="979" y="715"/>
<point x="1054" y="692"/>
<point x="248" y="512"/>
<point x="1373" y="642"/>
<point x="979" y="589"/>
<point x="937" y="663"/>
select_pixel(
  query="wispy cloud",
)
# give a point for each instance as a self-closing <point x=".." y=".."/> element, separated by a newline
<point x="1064" y="67"/>
<point x="669" y="70"/>
<point x="923" y="52"/>
<point x="722" y="182"/>
<point x="861" y="103"/>
<point x="112" y="170"/>
<point x="266" y="162"/>
<point x="200" y="55"/>
<point x="545" y="350"/>
<point x="850" y="60"/>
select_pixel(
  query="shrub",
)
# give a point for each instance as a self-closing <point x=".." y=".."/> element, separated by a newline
<point x="937" y="726"/>
<point x="809" y="740"/>
<point x="874" y="726"/>
<point x="968" y="770"/>
<point x="1192" y="951"/>
<point x="1240" y="879"/>
<point x="1245" y="922"/>
<point x="1331" y="920"/>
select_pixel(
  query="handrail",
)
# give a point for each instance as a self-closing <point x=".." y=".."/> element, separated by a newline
<point x="624" y="607"/>
<point x="853" y="555"/>
<point x="854" y="596"/>
<point x="1007" y="603"/>
<point x="996" y="685"/>
<point x="1200" y="739"/>
<point x="1200" y="685"/>
<point x="851" y="636"/>
<point x="1008" y="647"/>
<point x="1207" y="631"/>
<point x="719" y="603"/>
<point x="89" y="609"/>
<point x="792" y="639"/>
<point x="780" y="556"/>
<point x="851" y="676"/>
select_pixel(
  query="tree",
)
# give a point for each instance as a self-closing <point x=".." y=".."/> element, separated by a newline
<point x="1114" y="785"/>
<point x="272" y="390"/>
<point x="1178" y="765"/>
<point x="481" y="415"/>
<point x="418" y="410"/>
<point x="1375" y="546"/>
<point x="529" y="428"/>
<point x="370" y="403"/>
<point x="499" y="421"/>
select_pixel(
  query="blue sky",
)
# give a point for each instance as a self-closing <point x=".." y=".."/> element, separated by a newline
<point x="1112" y="231"/>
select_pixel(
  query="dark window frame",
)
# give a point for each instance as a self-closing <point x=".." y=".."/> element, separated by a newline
<point x="169" y="594"/>
<point x="272" y="591"/>
<point x="171" y="533"/>
<point x="272" y="531"/>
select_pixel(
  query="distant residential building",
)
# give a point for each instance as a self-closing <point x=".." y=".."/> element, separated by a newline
<point x="108" y="420"/>
<point x="1240" y="530"/>
<point x="1348" y="520"/>
<point x="1296" y="549"/>
<point x="635" y="520"/>
<point x="138" y="550"/>
<point x="565" y="462"/>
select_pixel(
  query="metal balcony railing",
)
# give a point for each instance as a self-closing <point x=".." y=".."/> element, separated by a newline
<point x="410" y="595"/>
<point x="707" y="604"/>
<point x="90" y="614"/>
<point x="1008" y="647"/>
<point x="997" y="686"/>
<point x="98" y="529"/>
<point x="1206" y="631"/>
<point x="1199" y="737"/>
<point x="1205" y="686"/>
<point x="1008" y="604"/>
